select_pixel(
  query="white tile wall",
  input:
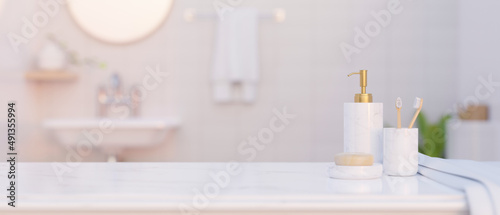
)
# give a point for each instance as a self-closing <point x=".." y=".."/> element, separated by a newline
<point x="301" y="63"/>
<point x="479" y="32"/>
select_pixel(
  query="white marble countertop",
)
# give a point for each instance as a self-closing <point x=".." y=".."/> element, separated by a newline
<point x="268" y="188"/>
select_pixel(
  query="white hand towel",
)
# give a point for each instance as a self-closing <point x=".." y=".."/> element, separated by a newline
<point x="236" y="53"/>
<point x="480" y="181"/>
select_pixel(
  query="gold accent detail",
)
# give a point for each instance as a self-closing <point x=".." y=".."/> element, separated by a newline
<point x="362" y="97"/>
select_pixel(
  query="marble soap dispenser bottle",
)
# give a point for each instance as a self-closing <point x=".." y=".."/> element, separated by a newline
<point x="363" y="123"/>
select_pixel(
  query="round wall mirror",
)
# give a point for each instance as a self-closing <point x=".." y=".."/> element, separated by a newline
<point x="119" y="21"/>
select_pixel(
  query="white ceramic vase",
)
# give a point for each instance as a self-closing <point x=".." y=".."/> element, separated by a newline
<point x="51" y="57"/>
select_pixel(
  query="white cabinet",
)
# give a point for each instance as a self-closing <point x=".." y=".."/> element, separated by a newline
<point x="473" y="140"/>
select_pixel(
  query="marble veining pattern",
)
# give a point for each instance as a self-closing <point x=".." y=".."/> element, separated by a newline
<point x="363" y="124"/>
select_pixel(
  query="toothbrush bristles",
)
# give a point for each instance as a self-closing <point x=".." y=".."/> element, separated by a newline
<point x="416" y="104"/>
<point x="399" y="103"/>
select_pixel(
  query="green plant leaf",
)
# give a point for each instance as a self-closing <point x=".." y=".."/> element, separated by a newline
<point x="432" y="135"/>
<point x="422" y="122"/>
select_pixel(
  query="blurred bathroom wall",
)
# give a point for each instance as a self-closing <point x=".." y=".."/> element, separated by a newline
<point x="478" y="33"/>
<point x="302" y="69"/>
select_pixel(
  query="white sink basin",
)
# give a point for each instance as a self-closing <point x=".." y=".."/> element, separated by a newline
<point x="111" y="135"/>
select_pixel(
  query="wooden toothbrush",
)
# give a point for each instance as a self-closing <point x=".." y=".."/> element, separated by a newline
<point x="399" y="105"/>
<point x="418" y="105"/>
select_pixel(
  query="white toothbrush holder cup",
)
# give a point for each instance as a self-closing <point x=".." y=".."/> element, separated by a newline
<point x="400" y="151"/>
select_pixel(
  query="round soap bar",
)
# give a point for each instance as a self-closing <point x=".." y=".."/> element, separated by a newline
<point x="354" y="159"/>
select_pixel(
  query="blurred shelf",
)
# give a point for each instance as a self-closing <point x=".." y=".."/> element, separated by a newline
<point x="51" y="76"/>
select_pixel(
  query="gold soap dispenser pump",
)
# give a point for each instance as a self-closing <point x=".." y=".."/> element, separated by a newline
<point x="362" y="97"/>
